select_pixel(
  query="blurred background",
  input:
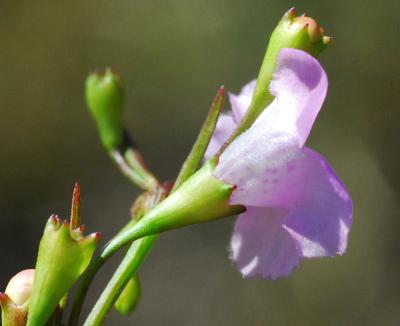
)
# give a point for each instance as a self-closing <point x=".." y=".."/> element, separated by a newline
<point x="173" y="55"/>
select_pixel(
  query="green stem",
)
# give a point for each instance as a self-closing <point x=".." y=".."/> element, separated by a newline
<point x="82" y="290"/>
<point x="136" y="173"/>
<point x="128" y="267"/>
<point x="86" y="280"/>
<point x="136" y="161"/>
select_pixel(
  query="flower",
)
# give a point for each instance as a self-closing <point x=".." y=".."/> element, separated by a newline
<point x="291" y="203"/>
<point x="296" y="205"/>
<point x="19" y="288"/>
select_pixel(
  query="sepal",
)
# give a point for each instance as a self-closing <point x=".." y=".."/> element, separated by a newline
<point x="201" y="198"/>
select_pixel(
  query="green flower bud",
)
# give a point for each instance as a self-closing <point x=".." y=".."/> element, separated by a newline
<point x="301" y="33"/>
<point x="64" y="254"/>
<point x="129" y="297"/>
<point x="14" y="302"/>
<point x="105" y="99"/>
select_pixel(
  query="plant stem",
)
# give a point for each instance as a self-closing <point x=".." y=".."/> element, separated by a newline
<point x="134" y="172"/>
<point x="82" y="290"/>
<point x="128" y="267"/>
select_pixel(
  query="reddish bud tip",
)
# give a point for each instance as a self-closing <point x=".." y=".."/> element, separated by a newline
<point x="4" y="298"/>
<point x="55" y="221"/>
<point x="76" y="207"/>
<point x="291" y="13"/>
<point x="327" y="39"/>
<point x="97" y="236"/>
<point x="82" y="229"/>
<point x="315" y="31"/>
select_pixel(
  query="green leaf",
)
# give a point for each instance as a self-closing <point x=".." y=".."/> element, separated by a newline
<point x="203" y="139"/>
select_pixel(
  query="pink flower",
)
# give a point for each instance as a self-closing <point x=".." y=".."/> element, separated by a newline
<point x="296" y="205"/>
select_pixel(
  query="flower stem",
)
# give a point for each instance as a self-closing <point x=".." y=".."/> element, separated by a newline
<point x="131" y="168"/>
<point x="128" y="267"/>
<point x="86" y="280"/>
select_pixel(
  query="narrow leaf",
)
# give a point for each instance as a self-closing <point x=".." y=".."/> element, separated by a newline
<point x="203" y="139"/>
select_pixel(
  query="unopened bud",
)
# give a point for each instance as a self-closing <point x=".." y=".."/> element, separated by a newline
<point x="14" y="302"/>
<point x="129" y="297"/>
<point x="20" y="286"/>
<point x="301" y="33"/>
<point x="105" y="99"/>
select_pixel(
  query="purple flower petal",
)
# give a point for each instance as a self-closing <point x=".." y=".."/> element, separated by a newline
<point x="300" y="86"/>
<point x="321" y="209"/>
<point x="311" y="204"/>
<point x="297" y="206"/>
<point x="227" y="121"/>
<point x="260" y="246"/>
<point x="240" y="103"/>
<point x="318" y="206"/>
<point x="224" y="128"/>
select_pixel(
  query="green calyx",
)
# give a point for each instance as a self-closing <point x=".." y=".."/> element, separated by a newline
<point x="105" y="99"/>
<point x="301" y="33"/>
<point x="200" y="199"/>
<point x="63" y="256"/>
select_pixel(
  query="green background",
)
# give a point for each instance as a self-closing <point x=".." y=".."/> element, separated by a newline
<point x="173" y="55"/>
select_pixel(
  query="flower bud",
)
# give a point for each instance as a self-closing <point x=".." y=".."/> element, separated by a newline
<point x="129" y="297"/>
<point x="301" y="33"/>
<point x="14" y="302"/>
<point x="105" y="99"/>
<point x="20" y="286"/>
<point x="64" y="254"/>
<point x="305" y="34"/>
